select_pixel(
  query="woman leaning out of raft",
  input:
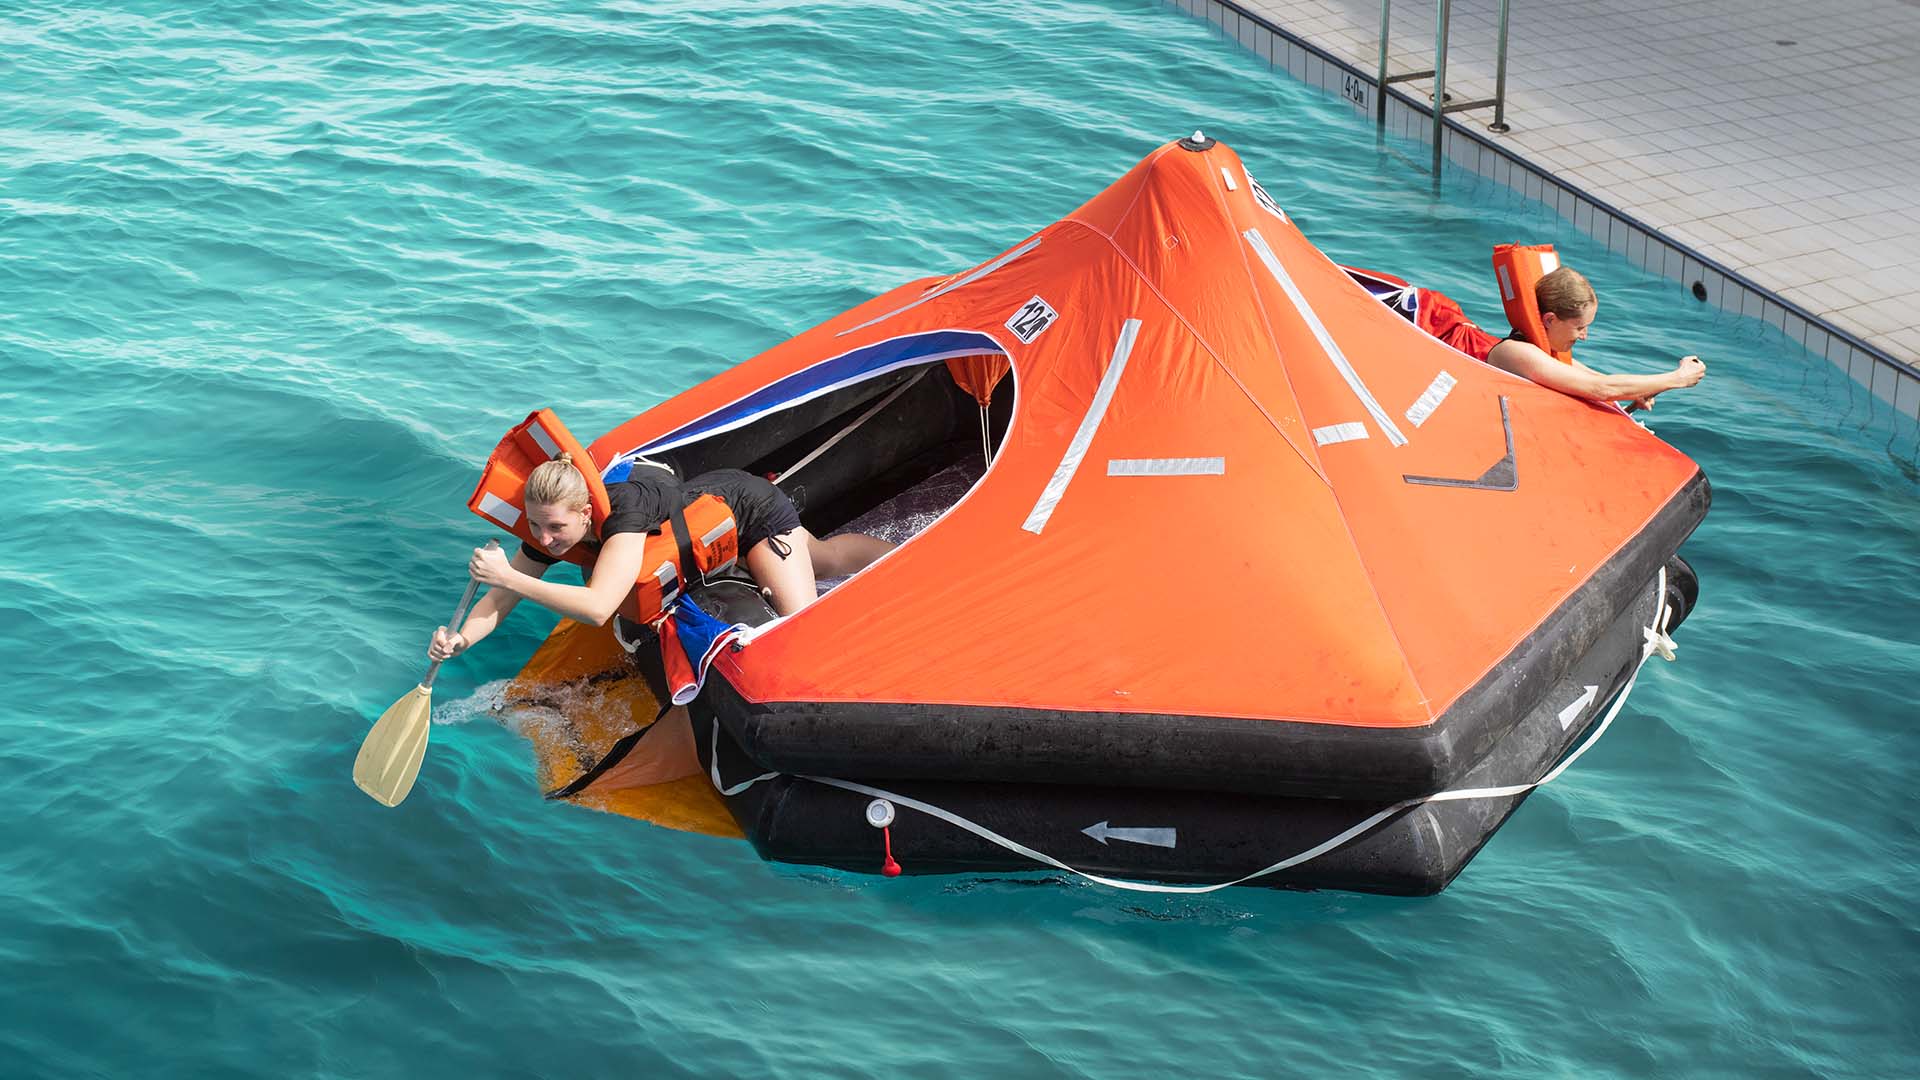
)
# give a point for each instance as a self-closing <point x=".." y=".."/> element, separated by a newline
<point x="1567" y="308"/>
<point x="781" y="555"/>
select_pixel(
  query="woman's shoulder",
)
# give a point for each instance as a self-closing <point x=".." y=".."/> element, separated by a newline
<point x="639" y="503"/>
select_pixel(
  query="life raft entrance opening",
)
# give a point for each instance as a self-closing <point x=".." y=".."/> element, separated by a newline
<point x="886" y="452"/>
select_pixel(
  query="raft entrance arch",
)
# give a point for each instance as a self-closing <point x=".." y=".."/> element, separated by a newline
<point x="883" y="439"/>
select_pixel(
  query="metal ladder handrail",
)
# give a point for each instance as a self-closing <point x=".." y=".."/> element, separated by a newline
<point x="1439" y="75"/>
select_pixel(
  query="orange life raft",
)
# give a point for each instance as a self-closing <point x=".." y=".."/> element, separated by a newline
<point x="1255" y="563"/>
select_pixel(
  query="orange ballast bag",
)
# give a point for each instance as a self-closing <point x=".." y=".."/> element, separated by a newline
<point x="500" y="497"/>
<point x="1518" y="267"/>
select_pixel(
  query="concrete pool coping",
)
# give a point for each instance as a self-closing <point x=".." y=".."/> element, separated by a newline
<point x="1616" y="212"/>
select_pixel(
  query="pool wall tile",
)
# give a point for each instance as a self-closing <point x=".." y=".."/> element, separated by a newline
<point x="1839" y="353"/>
<point x="1816" y="341"/>
<point x="1409" y="116"/>
<point x="1860" y="365"/>
<point x="1795" y="327"/>
<point x="1886" y="383"/>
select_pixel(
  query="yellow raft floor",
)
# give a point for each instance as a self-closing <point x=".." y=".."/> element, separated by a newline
<point x="578" y="695"/>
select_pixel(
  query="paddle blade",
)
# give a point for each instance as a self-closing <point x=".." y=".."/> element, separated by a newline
<point x="390" y="758"/>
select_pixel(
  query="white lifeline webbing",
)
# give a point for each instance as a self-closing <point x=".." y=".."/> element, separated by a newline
<point x="1654" y="640"/>
<point x="1322" y="335"/>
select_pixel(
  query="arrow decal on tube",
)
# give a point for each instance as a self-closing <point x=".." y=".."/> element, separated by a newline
<point x="1154" y="837"/>
<point x="1585" y="699"/>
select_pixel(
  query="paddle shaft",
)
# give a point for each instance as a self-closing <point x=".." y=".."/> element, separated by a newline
<point x="453" y="624"/>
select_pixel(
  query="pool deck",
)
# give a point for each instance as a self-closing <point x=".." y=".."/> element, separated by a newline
<point x="1768" y="151"/>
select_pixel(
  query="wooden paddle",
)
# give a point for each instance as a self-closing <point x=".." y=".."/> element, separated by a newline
<point x="389" y="760"/>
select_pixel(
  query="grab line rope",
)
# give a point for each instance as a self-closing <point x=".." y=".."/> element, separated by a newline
<point x="1654" y="640"/>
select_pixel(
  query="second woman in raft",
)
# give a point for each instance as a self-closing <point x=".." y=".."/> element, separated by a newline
<point x="1567" y="307"/>
<point x="781" y="555"/>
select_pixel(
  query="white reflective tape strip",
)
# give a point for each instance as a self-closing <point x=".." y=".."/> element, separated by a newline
<point x="665" y="575"/>
<point x="1506" y="283"/>
<point x="1167" y="466"/>
<point x="1549" y="262"/>
<point x="1327" y="344"/>
<point x="1083" y="438"/>
<point x="716" y="532"/>
<point x="1228" y="177"/>
<point x="545" y="440"/>
<point x="950" y="286"/>
<point x="499" y="509"/>
<point x="1339" y="433"/>
<point x="1429" y="400"/>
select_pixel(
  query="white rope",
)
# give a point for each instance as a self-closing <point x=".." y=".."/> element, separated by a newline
<point x="713" y="769"/>
<point x="1654" y="641"/>
<point x="857" y="421"/>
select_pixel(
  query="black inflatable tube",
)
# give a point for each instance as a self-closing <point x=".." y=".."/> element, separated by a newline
<point x="1217" y="836"/>
<point x="1255" y="757"/>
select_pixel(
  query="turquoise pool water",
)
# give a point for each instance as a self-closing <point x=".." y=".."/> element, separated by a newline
<point x="277" y="276"/>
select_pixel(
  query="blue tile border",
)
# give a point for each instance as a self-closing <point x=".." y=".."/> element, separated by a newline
<point x="1892" y="380"/>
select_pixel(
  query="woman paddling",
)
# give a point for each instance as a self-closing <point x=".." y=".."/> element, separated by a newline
<point x="781" y="555"/>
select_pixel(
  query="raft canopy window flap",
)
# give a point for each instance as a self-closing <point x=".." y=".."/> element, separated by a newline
<point x="825" y="377"/>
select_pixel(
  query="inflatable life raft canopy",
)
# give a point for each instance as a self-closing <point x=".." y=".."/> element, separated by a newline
<point x="1245" y="529"/>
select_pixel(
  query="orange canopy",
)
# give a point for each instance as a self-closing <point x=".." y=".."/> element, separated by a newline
<point x="1233" y="484"/>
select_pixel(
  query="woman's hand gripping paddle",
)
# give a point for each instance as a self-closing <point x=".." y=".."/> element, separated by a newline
<point x="390" y="758"/>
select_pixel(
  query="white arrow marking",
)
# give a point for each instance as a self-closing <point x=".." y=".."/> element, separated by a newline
<point x="1585" y="699"/>
<point x="1156" y="837"/>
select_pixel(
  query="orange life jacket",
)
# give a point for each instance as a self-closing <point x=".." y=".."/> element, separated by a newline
<point x="1518" y="267"/>
<point x="713" y="538"/>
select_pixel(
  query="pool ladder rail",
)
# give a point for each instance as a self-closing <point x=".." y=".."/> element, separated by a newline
<point x="1439" y="76"/>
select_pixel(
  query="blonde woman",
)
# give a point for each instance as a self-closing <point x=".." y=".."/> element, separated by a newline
<point x="780" y="554"/>
<point x="1567" y="308"/>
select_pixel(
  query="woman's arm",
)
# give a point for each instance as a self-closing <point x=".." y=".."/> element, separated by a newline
<point x="594" y="603"/>
<point x="1578" y="380"/>
<point x="484" y="617"/>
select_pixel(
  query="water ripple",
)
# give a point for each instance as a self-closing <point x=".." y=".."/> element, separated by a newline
<point x="278" y="277"/>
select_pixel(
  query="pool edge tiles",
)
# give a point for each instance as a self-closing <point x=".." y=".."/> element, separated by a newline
<point x="1888" y="377"/>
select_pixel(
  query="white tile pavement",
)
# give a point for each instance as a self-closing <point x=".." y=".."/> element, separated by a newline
<point x="1780" y="141"/>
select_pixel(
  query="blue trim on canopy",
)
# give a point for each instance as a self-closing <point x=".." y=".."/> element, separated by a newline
<point x="842" y="370"/>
